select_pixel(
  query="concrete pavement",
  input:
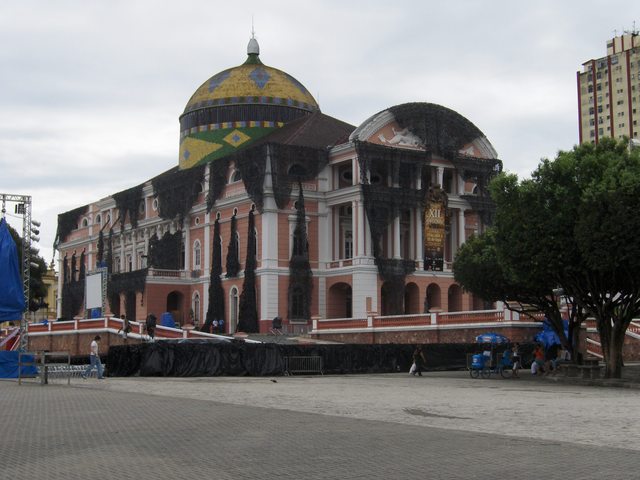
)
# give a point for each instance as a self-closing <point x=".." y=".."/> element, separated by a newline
<point x="443" y="425"/>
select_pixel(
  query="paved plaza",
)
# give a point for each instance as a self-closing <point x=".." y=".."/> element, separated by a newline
<point x="443" y="425"/>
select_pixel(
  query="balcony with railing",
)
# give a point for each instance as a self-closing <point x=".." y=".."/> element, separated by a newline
<point x="433" y="319"/>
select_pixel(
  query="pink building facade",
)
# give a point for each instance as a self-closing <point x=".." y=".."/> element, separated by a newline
<point x="276" y="209"/>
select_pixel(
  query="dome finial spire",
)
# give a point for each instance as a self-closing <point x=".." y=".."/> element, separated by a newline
<point x="253" y="48"/>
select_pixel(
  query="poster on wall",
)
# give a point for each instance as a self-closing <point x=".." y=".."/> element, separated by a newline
<point x="434" y="234"/>
<point x="94" y="290"/>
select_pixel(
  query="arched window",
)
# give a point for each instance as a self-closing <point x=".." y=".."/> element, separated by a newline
<point x="233" y="309"/>
<point x="195" y="306"/>
<point x="98" y="219"/>
<point x="297" y="303"/>
<point x="85" y="222"/>
<point x="197" y="255"/>
<point x="236" y="176"/>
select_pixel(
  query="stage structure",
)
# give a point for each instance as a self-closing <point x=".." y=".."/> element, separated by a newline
<point x="23" y="207"/>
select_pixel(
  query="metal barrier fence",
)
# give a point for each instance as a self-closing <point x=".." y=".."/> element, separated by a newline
<point x="310" y="364"/>
<point x="46" y="363"/>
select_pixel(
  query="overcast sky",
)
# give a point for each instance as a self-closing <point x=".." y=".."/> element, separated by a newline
<point x="91" y="91"/>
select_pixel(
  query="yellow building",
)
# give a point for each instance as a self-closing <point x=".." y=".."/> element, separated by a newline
<point x="50" y="279"/>
<point x="609" y="91"/>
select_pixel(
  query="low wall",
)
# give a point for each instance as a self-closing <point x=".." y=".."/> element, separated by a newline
<point x="76" y="343"/>
<point x="461" y="334"/>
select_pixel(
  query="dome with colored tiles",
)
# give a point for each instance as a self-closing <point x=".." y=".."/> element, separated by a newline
<point x="238" y="106"/>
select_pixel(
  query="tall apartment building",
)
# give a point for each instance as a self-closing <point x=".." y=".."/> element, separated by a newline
<point x="609" y="91"/>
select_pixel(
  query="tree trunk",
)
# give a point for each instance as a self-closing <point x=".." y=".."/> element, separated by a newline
<point x="614" y="361"/>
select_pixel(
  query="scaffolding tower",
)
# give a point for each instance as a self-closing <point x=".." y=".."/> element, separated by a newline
<point x="22" y="207"/>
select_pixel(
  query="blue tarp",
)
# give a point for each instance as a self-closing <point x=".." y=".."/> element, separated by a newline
<point x="548" y="336"/>
<point x="9" y="365"/>
<point x="491" y="338"/>
<point x="11" y="292"/>
<point x="167" y="320"/>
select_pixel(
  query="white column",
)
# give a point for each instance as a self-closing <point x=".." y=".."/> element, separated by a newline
<point x="440" y="171"/>
<point x="146" y="246"/>
<point x="60" y="279"/>
<point x="206" y="228"/>
<point x="186" y="226"/>
<point x="396" y="236"/>
<point x="122" y="257"/>
<point x="419" y="236"/>
<point x="207" y="264"/>
<point x="335" y="232"/>
<point x="460" y="184"/>
<point x="358" y="229"/>
<point x="268" y="274"/>
<point x="368" y="250"/>
<point x="461" y="227"/>
<point x="355" y="171"/>
<point x="134" y="253"/>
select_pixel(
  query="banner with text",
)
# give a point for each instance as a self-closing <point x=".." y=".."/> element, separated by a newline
<point x="434" y="235"/>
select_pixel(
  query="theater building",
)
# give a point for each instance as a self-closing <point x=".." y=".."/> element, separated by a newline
<point x="277" y="209"/>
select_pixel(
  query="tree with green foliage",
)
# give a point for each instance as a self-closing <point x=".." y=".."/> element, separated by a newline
<point x="573" y="225"/>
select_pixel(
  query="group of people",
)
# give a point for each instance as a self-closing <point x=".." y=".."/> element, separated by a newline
<point x="546" y="362"/>
<point x="217" y="326"/>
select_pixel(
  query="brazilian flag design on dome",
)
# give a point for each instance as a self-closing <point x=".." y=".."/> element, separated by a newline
<point x="221" y="140"/>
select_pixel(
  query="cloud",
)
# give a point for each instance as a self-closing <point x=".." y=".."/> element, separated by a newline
<point x="92" y="91"/>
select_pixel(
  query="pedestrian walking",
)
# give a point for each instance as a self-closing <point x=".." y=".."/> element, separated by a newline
<point x="418" y="361"/>
<point x="94" y="357"/>
<point x="515" y="358"/>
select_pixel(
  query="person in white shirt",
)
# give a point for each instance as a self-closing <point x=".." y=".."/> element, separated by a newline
<point x="94" y="357"/>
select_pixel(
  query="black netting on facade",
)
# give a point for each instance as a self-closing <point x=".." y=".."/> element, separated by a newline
<point x="299" y="293"/>
<point x="293" y="164"/>
<point x="127" y="203"/>
<point x="109" y="259"/>
<point x="252" y="165"/>
<point x="166" y="252"/>
<point x="218" y="170"/>
<point x="83" y="269"/>
<point x="383" y="203"/>
<point x="72" y="299"/>
<point x="177" y="190"/>
<point x="65" y="269"/>
<point x="67" y="222"/>
<point x="248" y="309"/>
<point x="233" y="262"/>
<point x="441" y="129"/>
<point x="100" y="254"/>
<point x="74" y="268"/>
<point x="289" y="164"/>
<point x="480" y="171"/>
<point x="73" y="287"/>
<point x="215" y="309"/>
<point x="124" y="283"/>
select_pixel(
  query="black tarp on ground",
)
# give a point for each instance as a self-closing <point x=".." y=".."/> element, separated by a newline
<point x="202" y="359"/>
